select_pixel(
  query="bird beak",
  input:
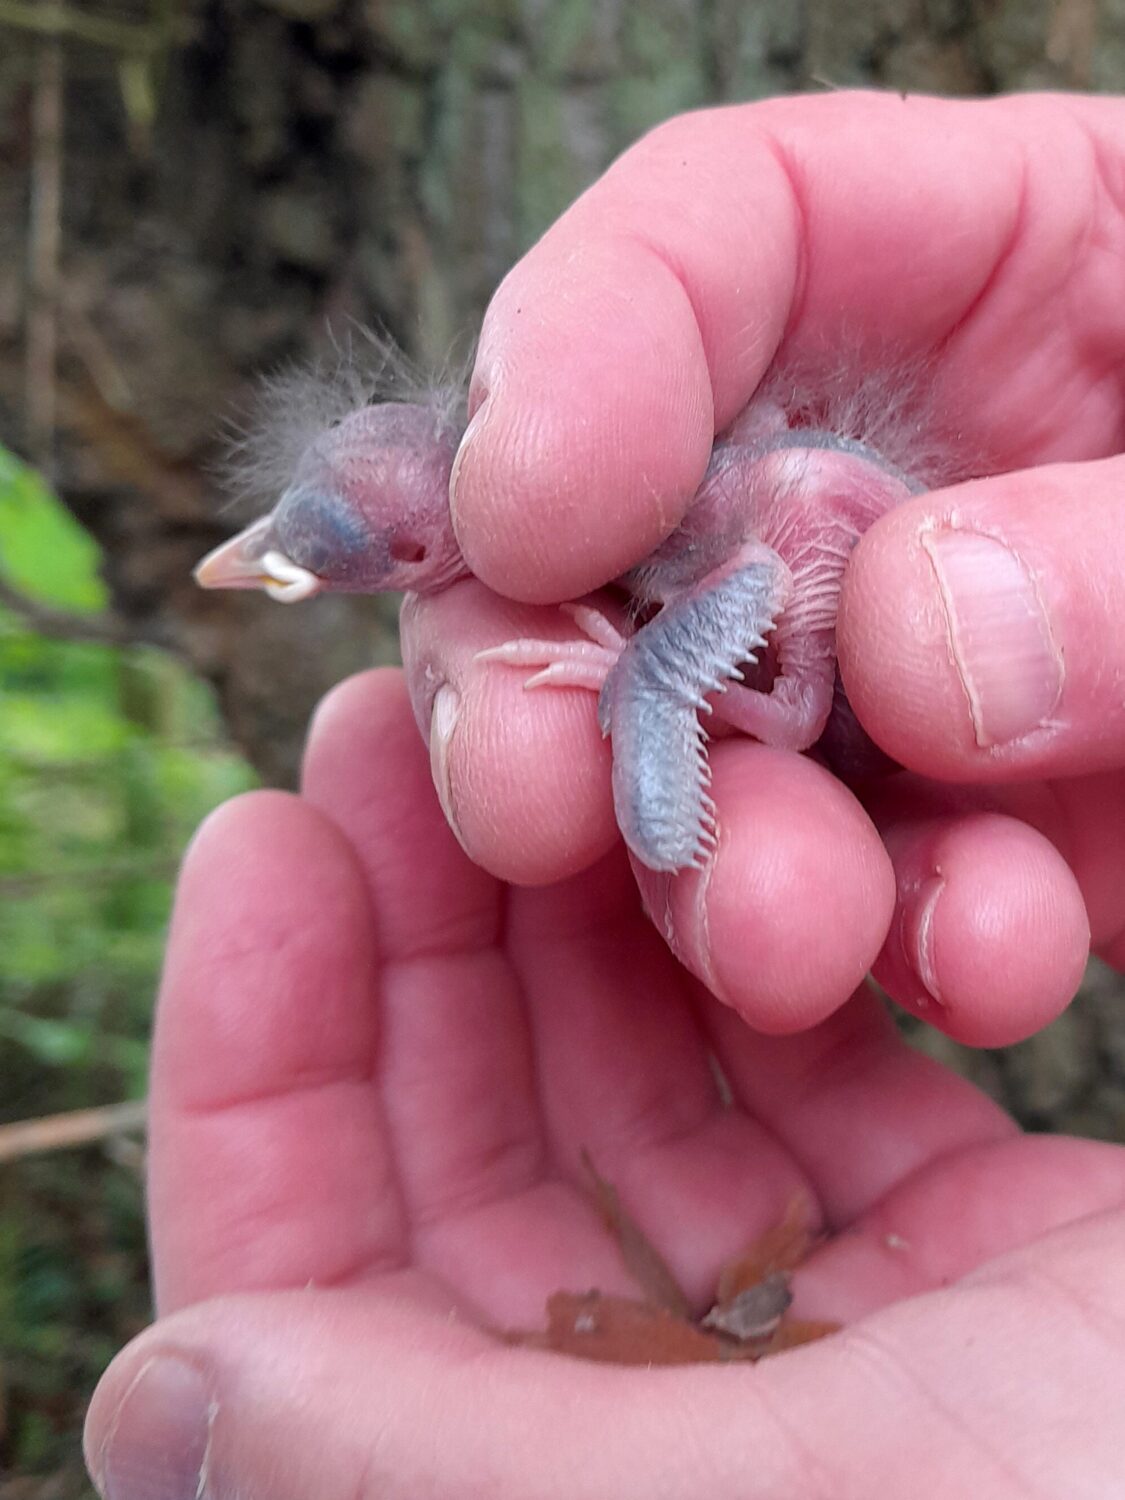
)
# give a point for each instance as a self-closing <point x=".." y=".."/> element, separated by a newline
<point x="251" y="561"/>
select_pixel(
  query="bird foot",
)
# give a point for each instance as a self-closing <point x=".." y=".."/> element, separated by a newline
<point x="574" y="663"/>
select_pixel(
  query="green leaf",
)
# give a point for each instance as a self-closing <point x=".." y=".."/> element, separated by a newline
<point x="45" y="553"/>
<point x="52" y="1042"/>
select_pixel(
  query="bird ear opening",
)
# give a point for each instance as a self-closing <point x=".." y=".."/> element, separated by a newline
<point x="407" y="550"/>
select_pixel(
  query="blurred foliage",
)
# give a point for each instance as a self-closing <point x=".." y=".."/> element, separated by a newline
<point x="108" y="759"/>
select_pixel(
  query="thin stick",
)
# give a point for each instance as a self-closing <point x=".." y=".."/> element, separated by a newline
<point x="79" y="1127"/>
<point x="99" y="31"/>
<point x="44" y="240"/>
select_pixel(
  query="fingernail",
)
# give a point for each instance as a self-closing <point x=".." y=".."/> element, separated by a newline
<point x="698" y="914"/>
<point x="469" y="439"/>
<point x="999" y="634"/>
<point x="157" y="1444"/>
<point x="678" y="907"/>
<point x="918" y="936"/>
<point x="444" y="715"/>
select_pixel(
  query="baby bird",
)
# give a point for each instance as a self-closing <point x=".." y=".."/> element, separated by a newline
<point x="734" y="615"/>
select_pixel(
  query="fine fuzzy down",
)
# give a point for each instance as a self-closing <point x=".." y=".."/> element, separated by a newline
<point x="889" y="407"/>
<point x="888" y="402"/>
<point x="304" y="398"/>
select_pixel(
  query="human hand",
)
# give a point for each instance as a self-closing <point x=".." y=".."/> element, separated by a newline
<point x="375" y="1069"/>
<point x="985" y="239"/>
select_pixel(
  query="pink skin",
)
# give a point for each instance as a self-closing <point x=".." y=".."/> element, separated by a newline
<point x="782" y="511"/>
<point x="761" y="553"/>
<point x="551" y="498"/>
<point x="375" y="1065"/>
<point x="366" y="510"/>
<point x="808" y="506"/>
<point x="788" y="226"/>
<point x="374" y="1071"/>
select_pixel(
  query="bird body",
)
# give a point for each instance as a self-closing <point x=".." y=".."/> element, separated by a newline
<point x="733" y="615"/>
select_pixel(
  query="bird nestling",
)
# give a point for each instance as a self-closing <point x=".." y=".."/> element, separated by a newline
<point x="733" y="616"/>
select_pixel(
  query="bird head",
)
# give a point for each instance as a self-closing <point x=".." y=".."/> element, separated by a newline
<point x="366" y="510"/>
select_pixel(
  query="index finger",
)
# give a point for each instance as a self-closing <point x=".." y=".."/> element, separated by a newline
<point x="642" y="322"/>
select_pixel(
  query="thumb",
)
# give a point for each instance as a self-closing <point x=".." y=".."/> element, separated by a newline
<point x="982" y="628"/>
<point x="360" y="1393"/>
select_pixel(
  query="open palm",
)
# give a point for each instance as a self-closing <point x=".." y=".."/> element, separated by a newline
<point x="375" y="1072"/>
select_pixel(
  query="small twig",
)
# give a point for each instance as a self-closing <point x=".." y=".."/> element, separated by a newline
<point x="79" y="1127"/>
<point x="97" y="357"/>
<point x="62" y="625"/>
<point x="44" y="240"/>
<point x="99" y="31"/>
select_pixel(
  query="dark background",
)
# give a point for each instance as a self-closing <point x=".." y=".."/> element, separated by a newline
<point x="190" y="194"/>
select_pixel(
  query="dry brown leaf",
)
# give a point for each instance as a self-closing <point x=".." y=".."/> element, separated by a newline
<point x="643" y="1261"/>
<point x="619" y="1330"/>
<point x="748" y="1321"/>
<point x="782" y="1247"/>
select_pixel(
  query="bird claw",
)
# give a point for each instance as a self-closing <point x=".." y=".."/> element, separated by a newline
<point x="573" y="663"/>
